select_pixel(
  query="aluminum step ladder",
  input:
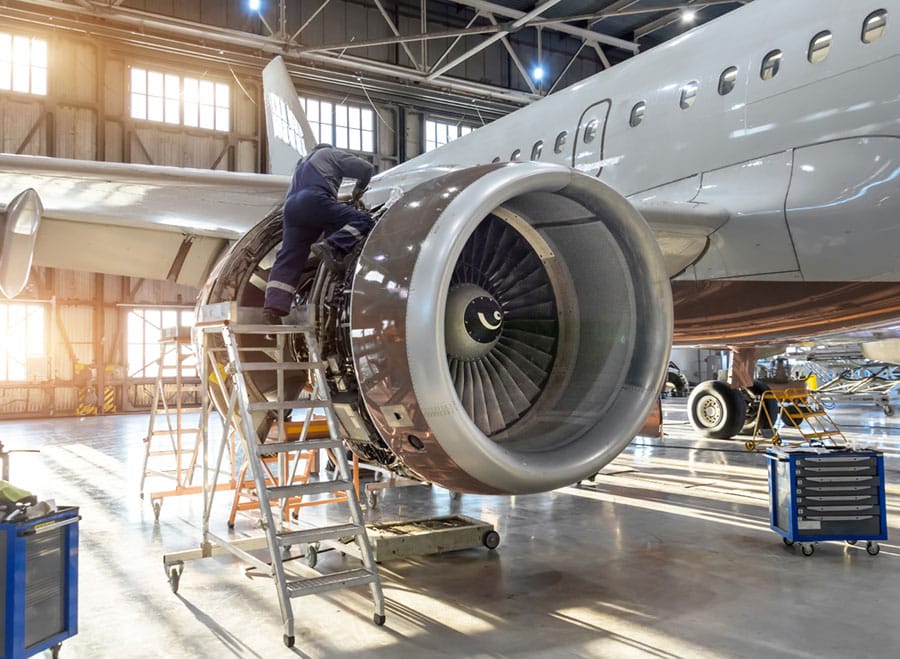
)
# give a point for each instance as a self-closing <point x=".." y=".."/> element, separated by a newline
<point x="261" y="357"/>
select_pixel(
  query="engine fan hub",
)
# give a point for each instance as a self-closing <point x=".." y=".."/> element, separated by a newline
<point x="473" y="322"/>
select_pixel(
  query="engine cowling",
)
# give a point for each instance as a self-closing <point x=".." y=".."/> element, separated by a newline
<point x="509" y="326"/>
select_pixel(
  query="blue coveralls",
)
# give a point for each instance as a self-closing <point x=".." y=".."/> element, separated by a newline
<point x="310" y="209"/>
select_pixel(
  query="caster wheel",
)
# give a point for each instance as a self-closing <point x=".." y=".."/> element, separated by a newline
<point x="378" y="619"/>
<point x="807" y="550"/>
<point x="288" y="641"/>
<point x="373" y="501"/>
<point x="788" y="543"/>
<point x="174" y="579"/>
<point x="872" y="548"/>
<point x="491" y="539"/>
<point x="157" y="507"/>
<point x="851" y="542"/>
<point x="54" y="650"/>
<point x="312" y="555"/>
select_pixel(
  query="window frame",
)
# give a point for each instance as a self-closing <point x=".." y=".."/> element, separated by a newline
<point x="591" y="129"/>
<point x="688" y="94"/>
<point x="459" y="128"/>
<point x="864" y="35"/>
<point x="560" y="141"/>
<point x="28" y="342"/>
<point x="771" y="62"/>
<point x="731" y="70"/>
<point x="813" y="49"/>
<point x="149" y="346"/>
<point x="210" y="112"/>
<point x="516" y="155"/>
<point x="636" y="116"/>
<point x="13" y="71"/>
<point x="537" y="150"/>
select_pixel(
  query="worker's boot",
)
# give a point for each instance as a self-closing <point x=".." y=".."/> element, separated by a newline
<point x="328" y="255"/>
<point x="271" y="316"/>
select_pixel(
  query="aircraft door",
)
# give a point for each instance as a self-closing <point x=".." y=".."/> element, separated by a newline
<point x="587" y="152"/>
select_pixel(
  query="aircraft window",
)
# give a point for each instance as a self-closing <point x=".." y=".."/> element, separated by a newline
<point x="560" y="142"/>
<point x="496" y="159"/>
<point x="688" y="94"/>
<point x="819" y="47"/>
<point x="727" y="80"/>
<point x="770" y="65"/>
<point x="515" y="155"/>
<point x="873" y="26"/>
<point x="537" y="150"/>
<point x="590" y="131"/>
<point x="637" y="114"/>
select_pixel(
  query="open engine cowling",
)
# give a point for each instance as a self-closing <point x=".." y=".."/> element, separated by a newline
<point x="510" y="327"/>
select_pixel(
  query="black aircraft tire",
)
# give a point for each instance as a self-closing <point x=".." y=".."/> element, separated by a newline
<point x="716" y="410"/>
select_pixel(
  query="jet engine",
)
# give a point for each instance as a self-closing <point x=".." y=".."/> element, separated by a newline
<point x="503" y="329"/>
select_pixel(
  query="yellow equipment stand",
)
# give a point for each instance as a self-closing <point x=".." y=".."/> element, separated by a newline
<point x="800" y="410"/>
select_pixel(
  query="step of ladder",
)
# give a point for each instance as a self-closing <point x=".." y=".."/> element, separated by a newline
<point x="305" y="445"/>
<point x="291" y="491"/>
<point x="304" y="536"/>
<point x="252" y="367"/>
<point x="325" y="583"/>
<point x="285" y="405"/>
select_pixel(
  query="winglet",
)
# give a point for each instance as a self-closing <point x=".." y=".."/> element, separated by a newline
<point x="19" y="226"/>
<point x="290" y="133"/>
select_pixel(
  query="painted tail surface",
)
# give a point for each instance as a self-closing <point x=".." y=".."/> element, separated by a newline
<point x="290" y="133"/>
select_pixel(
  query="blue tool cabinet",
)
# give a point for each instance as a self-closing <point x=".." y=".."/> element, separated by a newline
<point x="827" y="494"/>
<point x="39" y="582"/>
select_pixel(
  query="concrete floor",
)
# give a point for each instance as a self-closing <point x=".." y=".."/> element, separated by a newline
<point x="667" y="554"/>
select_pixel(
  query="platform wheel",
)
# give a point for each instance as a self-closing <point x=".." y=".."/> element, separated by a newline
<point x="312" y="555"/>
<point x="787" y="543"/>
<point x="872" y="548"/>
<point x="807" y="549"/>
<point x="373" y="500"/>
<point x="174" y="579"/>
<point x="491" y="539"/>
<point x="157" y="507"/>
<point x="288" y="641"/>
<point x="750" y="445"/>
<point x="378" y="619"/>
<point x="55" y="649"/>
<point x="850" y="542"/>
<point x="888" y="410"/>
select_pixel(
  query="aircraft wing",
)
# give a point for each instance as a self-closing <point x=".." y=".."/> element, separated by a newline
<point x="682" y="228"/>
<point x="137" y="220"/>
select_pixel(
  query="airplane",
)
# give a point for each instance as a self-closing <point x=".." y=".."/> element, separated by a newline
<point x="505" y="328"/>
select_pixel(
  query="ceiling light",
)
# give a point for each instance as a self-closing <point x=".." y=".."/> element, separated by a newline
<point x="538" y="72"/>
<point x="253" y="4"/>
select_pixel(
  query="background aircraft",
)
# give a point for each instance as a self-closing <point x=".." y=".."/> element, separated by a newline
<point x="764" y="160"/>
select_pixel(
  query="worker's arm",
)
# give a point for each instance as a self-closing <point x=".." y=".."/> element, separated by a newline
<point x="353" y="167"/>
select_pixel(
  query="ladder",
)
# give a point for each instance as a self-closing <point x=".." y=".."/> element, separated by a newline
<point x="243" y="414"/>
<point x="800" y="410"/>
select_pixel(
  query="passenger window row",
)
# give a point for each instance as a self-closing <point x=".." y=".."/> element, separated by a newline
<point x="872" y="30"/>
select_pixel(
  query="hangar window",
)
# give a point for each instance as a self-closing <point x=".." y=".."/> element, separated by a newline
<point x="727" y="80"/>
<point x="688" y="95"/>
<point x="516" y="155"/>
<point x="207" y="104"/>
<point x="637" y="114"/>
<point x="144" y="327"/>
<point x="346" y="126"/>
<point x="537" y="150"/>
<point x="560" y="142"/>
<point x="23" y="64"/>
<point x="873" y="26"/>
<point x="590" y="131"/>
<point x="439" y="133"/>
<point x="819" y="46"/>
<point x="770" y="65"/>
<point x="22" y="327"/>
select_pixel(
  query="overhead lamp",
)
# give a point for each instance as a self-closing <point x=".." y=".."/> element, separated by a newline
<point x="538" y="72"/>
<point x="688" y="16"/>
<point x="253" y="4"/>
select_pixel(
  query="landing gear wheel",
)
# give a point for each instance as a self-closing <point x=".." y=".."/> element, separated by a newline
<point x="491" y="539"/>
<point x="807" y="549"/>
<point x="312" y="555"/>
<point x="157" y="507"/>
<point x="288" y="641"/>
<point x="54" y="650"/>
<point x="788" y="543"/>
<point x="716" y="410"/>
<point x="378" y="619"/>
<point x="872" y="548"/>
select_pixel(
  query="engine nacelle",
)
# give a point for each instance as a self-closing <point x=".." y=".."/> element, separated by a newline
<point x="510" y="327"/>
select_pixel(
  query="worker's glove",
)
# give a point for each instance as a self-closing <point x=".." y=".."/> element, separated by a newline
<point x="356" y="199"/>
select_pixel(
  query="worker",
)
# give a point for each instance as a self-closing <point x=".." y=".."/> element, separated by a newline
<point x="311" y="207"/>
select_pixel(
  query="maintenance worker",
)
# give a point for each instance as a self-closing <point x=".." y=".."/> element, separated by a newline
<point x="311" y="207"/>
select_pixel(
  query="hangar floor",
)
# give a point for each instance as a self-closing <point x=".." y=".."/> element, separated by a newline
<point x="668" y="554"/>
